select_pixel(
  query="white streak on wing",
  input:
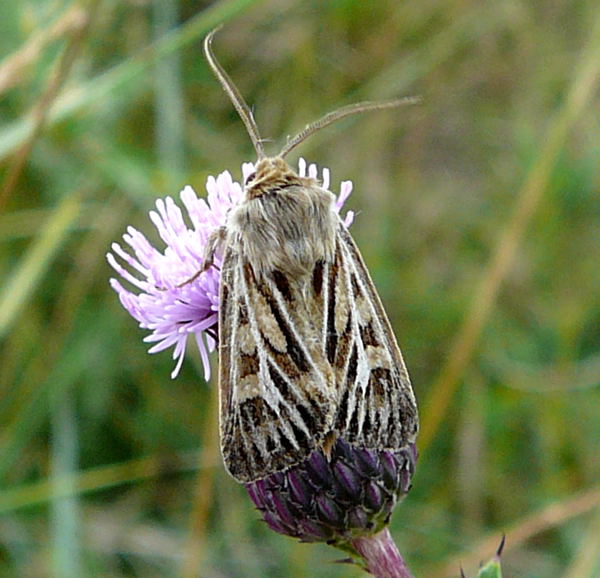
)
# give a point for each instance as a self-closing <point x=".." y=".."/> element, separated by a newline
<point x="269" y="392"/>
<point x="325" y="298"/>
<point x="234" y="372"/>
<point x="363" y="371"/>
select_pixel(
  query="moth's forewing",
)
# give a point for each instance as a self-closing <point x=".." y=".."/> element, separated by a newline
<point x="306" y="351"/>
<point x="278" y="393"/>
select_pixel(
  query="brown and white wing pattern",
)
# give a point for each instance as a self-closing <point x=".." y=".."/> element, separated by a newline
<point x="278" y="394"/>
<point x="305" y="360"/>
<point x="376" y="405"/>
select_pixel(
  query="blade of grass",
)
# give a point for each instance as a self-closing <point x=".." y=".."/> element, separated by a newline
<point x="584" y="83"/>
<point x="44" y="372"/>
<point x="109" y="83"/>
<point x="41" y="108"/>
<point x="26" y="278"/>
<point x="98" y="479"/>
<point x="65" y="511"/>
<point x="12" y="68"/>
<point x="168" y="97"/>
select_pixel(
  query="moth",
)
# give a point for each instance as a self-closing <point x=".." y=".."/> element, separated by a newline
<point x="306" y="351"/>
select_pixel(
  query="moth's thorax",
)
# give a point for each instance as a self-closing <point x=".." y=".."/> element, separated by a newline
<point x="285" y="222"/>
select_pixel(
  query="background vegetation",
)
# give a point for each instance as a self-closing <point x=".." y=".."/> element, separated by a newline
<point x="479" y="216"/>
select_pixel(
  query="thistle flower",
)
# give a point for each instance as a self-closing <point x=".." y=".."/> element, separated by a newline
<point x="344" y="498"/>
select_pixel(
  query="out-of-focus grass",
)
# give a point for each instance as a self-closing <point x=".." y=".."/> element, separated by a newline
<point x="109" y="468"/>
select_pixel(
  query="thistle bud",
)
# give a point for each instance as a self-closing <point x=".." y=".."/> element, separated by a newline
<point x="335" y="498"/>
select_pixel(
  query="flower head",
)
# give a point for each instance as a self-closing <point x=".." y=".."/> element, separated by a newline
<point x="167" y="296"/>
<point x="337" y="498"/>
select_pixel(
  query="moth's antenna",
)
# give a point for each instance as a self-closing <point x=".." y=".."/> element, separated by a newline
<point x="234" y="95"/>
<point x="331" y="117"/>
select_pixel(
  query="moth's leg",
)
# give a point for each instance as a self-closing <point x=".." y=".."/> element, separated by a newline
<point x="214" y="243"/>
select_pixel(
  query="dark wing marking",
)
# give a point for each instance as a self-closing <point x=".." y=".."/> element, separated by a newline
<point x="278" y="396"/>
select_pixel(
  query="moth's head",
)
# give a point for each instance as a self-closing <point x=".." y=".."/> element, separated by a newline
<point x="270" y="175"/>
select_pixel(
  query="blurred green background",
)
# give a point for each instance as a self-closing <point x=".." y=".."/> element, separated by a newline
<point x="478" y="215"/>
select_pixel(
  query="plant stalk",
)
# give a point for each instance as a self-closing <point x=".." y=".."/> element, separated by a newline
<point x="381" y="555"/>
